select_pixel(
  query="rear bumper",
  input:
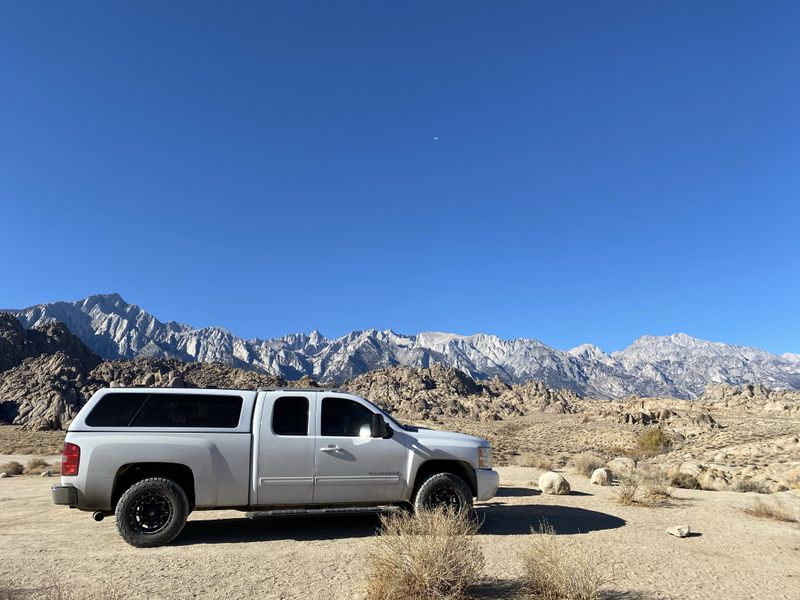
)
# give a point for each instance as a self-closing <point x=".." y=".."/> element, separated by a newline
<point x="488" y="481"/>
<point x="64" y="495"/>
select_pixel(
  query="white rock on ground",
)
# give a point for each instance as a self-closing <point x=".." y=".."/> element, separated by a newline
<point x="680" y="531"/>
<point x="602" y="476"/>
<point x="622" y="465"/>
<point x="553" y="483"/>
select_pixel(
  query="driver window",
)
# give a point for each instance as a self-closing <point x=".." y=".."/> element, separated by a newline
<point x="344" y="418"/>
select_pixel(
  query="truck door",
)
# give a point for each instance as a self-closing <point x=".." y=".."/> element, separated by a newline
<point x="284" y="471"/>
<point x="351" y="465"/>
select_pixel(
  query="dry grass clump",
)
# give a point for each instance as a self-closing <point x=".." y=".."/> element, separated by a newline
<point x="653" y="442"/>
<point x="585" y="464"/>
<point x="627" y="489"/>
<point x="751" y="485"/>
<point x="655" y="488"/>
<point x="684" y="481"/>
<point x="535" y="461"/>
<point x="12" y="468"/>
<point x="775" y="511"/>
<point x="431" y="555"/>
<point x="555" y="570"/>
<point x="37" y="466"/>
<point x="647" y="488"/>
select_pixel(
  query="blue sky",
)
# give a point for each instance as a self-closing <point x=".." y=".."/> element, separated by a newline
<point x="603" y="170"/>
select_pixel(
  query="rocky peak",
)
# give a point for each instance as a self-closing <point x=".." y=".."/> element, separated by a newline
<point x="677" y="366"/>
<point x="48" y="337"/>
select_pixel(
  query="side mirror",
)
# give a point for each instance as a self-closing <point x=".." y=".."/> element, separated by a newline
<point x="379" y="428"/>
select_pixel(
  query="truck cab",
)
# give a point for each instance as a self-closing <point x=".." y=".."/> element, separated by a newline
<point x="270" y="451"/>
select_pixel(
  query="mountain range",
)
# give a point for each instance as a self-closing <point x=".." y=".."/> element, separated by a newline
<point x="678" y="365"/>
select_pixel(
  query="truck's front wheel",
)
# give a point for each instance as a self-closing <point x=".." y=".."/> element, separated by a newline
<point x="443" y="490"/>
<point x="152" y="512"/>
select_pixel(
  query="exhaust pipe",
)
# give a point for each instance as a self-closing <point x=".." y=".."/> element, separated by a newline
<point x="98" y="516"/>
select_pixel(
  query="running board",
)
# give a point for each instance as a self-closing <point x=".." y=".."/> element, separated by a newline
<point x="347" y="510"/>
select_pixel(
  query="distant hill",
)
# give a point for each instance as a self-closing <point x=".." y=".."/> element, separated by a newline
<point x="676" y="366"/>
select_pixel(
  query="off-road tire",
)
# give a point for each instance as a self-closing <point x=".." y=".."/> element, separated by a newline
<point x="444" y="490"/>
<point x="152" y="512"/>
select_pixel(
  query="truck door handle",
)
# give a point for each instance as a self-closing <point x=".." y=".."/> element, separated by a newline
<point x="330" y="449"/>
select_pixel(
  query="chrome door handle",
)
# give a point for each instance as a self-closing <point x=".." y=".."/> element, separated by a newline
<point x="330" y="449"/>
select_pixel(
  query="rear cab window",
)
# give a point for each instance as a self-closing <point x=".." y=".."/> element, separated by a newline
<point x="166" y="410"/>
<point x="290" y="415"/>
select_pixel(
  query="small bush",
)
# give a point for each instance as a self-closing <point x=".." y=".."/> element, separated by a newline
<point x="37" y="466"/>
<point x="12" y="468"/>
<point x="431" y="555"/>
<point x="553" y="570"/>
<point x="684" y="481"/>
<point x="751" y="485"/>
<point x="535" y="461"/>
<point x="649" y="488"/>
<point x="655" y="488"/>
<point x="775" y="511"/>
<point x="585" y="464"/>
<point x="626" y="490"/>
<point x="653" y="442"/>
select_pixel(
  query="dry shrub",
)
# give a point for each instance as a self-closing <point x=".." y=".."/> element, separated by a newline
<point x="775" y="511"/>
<point x="12" y="468"/>
<point x="536" y="461"/>
<point x="647" y="488"/>
<point x="626" y="490"/>
<point x="556" y="570"/>
<point x="431" y="555"/>
<point x="684" y="481"/>
<point x="655" y="488"/>
<point x="653" y="442"/>
<point x="751" y="485"/>
<point x="37" y="466"/>
<point x="585" y="464"/>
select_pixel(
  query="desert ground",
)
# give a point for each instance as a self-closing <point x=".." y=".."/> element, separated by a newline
<point x="730" y="554"/>
<point x="221" y="554"/>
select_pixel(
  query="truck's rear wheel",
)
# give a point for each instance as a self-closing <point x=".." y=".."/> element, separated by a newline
<point x="152" y="512"/>
<point x="443" y="490"/>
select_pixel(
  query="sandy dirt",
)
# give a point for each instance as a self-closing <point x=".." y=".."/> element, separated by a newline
<point x="221" y="554"/>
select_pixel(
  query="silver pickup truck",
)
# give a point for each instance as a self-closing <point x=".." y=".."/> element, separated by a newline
<point x="151" y="456"/>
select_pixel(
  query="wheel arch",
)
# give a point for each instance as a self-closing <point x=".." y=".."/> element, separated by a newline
<point x="131" y="473"/>
<point x="460" y="468"/>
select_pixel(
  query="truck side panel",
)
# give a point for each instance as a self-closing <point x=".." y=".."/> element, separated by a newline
<point x="219" y="463"/>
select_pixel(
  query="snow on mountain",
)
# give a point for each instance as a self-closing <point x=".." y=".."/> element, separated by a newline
<point x="677" y="365"/>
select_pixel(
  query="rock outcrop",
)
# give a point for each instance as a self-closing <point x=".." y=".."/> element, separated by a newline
<point x="45" y="392"/>
<point x="752" y="397"/>
<point x="18" y="343"/>
<point x="437" y="391"/>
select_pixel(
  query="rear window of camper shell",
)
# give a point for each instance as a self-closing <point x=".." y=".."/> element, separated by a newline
<point x="166" y="410"/>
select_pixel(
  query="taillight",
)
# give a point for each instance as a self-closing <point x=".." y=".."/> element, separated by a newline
<point x="70" y="459"/>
